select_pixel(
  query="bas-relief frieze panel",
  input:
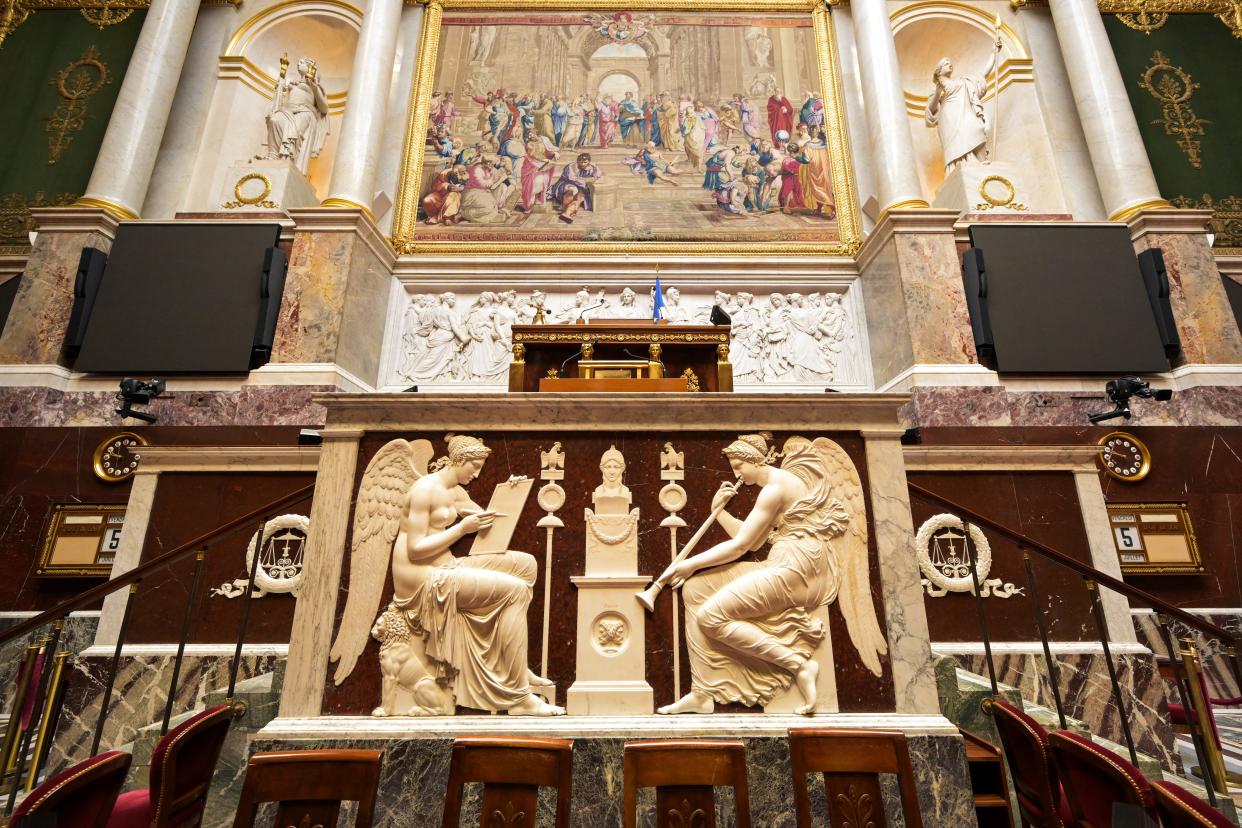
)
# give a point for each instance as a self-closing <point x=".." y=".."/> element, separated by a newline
<point x="787" y="339"/>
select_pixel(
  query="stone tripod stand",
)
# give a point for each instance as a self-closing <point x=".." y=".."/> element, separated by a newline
<point x="648" y="596"/>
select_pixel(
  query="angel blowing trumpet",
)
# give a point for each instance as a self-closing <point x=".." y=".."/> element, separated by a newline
<point x="751" y="626"/>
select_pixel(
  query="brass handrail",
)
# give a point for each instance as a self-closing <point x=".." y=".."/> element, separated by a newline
<point x="90" y="596"/>
<point x="1086" y="570"/>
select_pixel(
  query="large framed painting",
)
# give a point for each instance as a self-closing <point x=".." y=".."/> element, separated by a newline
<point x="650" y="127"/>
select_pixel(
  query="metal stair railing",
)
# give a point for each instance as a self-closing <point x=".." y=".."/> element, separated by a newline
<point x="18" y="742"/>
<point x="1205" y="748"/>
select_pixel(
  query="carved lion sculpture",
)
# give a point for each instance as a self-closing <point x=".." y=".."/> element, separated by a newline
<point x="410" y="687"/>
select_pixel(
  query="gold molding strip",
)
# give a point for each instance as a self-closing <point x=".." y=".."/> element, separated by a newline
<point x="1150" y="15"/>
<point x="99" y="13"/>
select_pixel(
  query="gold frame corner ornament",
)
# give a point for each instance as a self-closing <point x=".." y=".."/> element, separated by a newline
<point x="404" y="238"/>
<point x="1144" y="455"/>
<point x="102" y="451"/>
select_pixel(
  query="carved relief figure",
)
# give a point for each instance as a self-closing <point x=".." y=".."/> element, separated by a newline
<point x="749" y="624"/>
<point x="955" y="108"/>
<point x="611" y="490"/>
<point x="297" y="125"/>
<point x="456" y="626"/>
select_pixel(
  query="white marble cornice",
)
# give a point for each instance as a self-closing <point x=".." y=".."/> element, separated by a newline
<point x="1184" y="222"/>
<point x="623" y="412"/>
<point x="157" y="459"/>
<point x="1230" y="265"/>
<point x="1000" y="458"/>
<point x="920" y="221"/>
<point x="345" y="220"/>
<point x="75" y="220"/>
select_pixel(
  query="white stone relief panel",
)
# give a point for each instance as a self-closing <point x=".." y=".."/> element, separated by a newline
<point x="781" y="340"/>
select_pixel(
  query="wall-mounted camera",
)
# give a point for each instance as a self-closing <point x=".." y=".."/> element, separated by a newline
<point x="1120" y="391"/>
<point x="138" y="392"/>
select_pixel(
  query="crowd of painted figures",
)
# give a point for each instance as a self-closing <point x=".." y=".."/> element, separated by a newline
<point x="533" y="153"/>
<point x="789" y="337"/>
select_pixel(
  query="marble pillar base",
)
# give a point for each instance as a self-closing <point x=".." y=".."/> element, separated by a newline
<point x="610" y="648"/>
<point x="416" y="758"/>
<point x="265" y="185"/>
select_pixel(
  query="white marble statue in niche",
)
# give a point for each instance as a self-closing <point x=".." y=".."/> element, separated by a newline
<point x="750" y="625"/>
<point x="790" y="338"/>
<point x="955" y="109"/>
<point x="297" y="125"/>
<point x="455" y="630"/>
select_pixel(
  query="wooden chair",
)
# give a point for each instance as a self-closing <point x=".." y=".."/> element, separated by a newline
<point x="851" y="762"/>
<point x="683" y="774"/>
<point x="310" y="786"/>
<point x="81" y="796"/>
<point x="512" y="769"/>
<point x="1178" y="808"/>
<point x="182" y="764"/>
<point x="1041" y="803"/>
<point x="1095" y="779"/>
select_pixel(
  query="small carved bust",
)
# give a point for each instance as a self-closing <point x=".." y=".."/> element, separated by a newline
<point x="612" y="496"/>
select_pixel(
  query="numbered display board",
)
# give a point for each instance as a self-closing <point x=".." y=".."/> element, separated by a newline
<point x="81" y="541"/>
<point x="1154" y="538"/>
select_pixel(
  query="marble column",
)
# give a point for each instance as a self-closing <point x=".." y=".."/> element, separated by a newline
<point x="362" y="128"/>
<point x="896" y="171"/>
<point x="315" y="614"/>
<point x="1117" y="616"/>
<point x="128" y="553"/>
<point x="905" y="617"/>
<point x="1113" y="139"/>
<point x="393" y="147"/>
<point x="127" y="156"/>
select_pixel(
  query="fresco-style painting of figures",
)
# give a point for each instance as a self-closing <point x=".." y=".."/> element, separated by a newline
<point x="665" y="127"/>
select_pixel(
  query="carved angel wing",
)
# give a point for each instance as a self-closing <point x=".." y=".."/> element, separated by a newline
<point x="381" y="500"/>
<point x="842" y="507"/>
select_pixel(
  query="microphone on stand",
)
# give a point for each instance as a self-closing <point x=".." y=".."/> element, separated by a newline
<point x="582" y="321"/>
<point x="574" y="355"/>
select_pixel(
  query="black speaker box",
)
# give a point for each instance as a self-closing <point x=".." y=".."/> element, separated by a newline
<point x="719" y="317"/>
<point x="271" y="288"/>
<point x="85" y="289"/>
<point x="975" y="283"/>
<point x="1156" y="280"/>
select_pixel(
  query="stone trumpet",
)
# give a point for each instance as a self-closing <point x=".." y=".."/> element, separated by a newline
<point x="648" y="596"/>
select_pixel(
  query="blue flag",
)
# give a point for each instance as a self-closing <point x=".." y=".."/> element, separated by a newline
<point x="657" y="302"/>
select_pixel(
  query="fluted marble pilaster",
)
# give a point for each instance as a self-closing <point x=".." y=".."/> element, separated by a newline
<point x="1122" y="168"/>
<point x="892" y="148"/>
<point x="362" y="128"/>
<point x="126" y="158"/>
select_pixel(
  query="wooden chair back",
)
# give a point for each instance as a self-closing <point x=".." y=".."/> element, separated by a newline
<point x="851" y="762"/>
<point x="1095" y="779"/>
<point x="183" y="764"/>
<point x="310" y="786"/>
<point x="1035" y="780"/>
<point x="683" y="772"/>
<point x="512" y="770"/>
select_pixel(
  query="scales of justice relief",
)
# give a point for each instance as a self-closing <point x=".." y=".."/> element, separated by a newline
<point x="455" y="631"/>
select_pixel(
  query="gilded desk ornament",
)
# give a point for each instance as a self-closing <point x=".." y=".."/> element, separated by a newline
<point x="409" y="237"/>
<point x="1172" y="87"/>
<point x="692" y="380"/>
<point x="76" y="84"/>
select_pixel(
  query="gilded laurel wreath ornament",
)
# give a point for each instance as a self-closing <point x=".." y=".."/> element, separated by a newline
<point x="945" y="560"/>
<point x="991" y="200"/>
<point x="242" y="200"/>
<point x="1172" y="87"/>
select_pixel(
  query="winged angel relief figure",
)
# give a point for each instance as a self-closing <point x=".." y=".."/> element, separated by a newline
<point x="455" y="630"/>
<point x="750" y="628"/>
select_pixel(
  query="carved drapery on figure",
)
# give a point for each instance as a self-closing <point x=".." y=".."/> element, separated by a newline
<point x="455" y="629"/>
<point x="297" y="125"/>
<point x="788" y="337"/>
<point x="751" y="629"/>
<point x="955" y="109"/>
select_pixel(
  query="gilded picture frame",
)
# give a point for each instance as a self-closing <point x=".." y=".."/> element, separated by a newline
<point x="405" y="236"/>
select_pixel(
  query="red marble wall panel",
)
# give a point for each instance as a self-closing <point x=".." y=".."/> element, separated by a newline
<point x="706" y="468"/>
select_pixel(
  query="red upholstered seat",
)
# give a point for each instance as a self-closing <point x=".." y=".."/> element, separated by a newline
<point x="181" y="769"/>
<point x="81" y="796"/>
<point x="1094" y="779"/>
<point x="1041" y="802"/>
<point x="1178" y="808"/>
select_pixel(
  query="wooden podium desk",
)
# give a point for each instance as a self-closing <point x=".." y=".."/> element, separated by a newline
<point x="699" y="353"/>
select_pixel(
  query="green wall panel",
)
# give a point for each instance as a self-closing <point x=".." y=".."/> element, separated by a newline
<point x="50" y="144"/>
<point x="1204" y="50"/>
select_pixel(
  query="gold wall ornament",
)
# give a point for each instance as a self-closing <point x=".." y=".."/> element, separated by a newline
<point x="1144" y="21"/>
<point x="1226" y="223"/>
<point x="243" y="200"/>
<point x="1155" y="12"/>
<point x="404" y="238"/>
<point x="15" y="220"/>
<point x="1171" y="86"/>
<point x="692" y="380"/>
<point x="100" y="13"/>
<point x="76" y="84"/>
<point x="991" y="200"/>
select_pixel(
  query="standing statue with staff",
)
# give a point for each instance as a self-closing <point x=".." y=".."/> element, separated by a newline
<point x="955" y="109"/>
<point x="751" y="628"/>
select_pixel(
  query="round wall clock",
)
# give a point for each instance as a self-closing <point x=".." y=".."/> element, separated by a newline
<point x="116" y="459"/>
<point x="1124" y="456"/>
